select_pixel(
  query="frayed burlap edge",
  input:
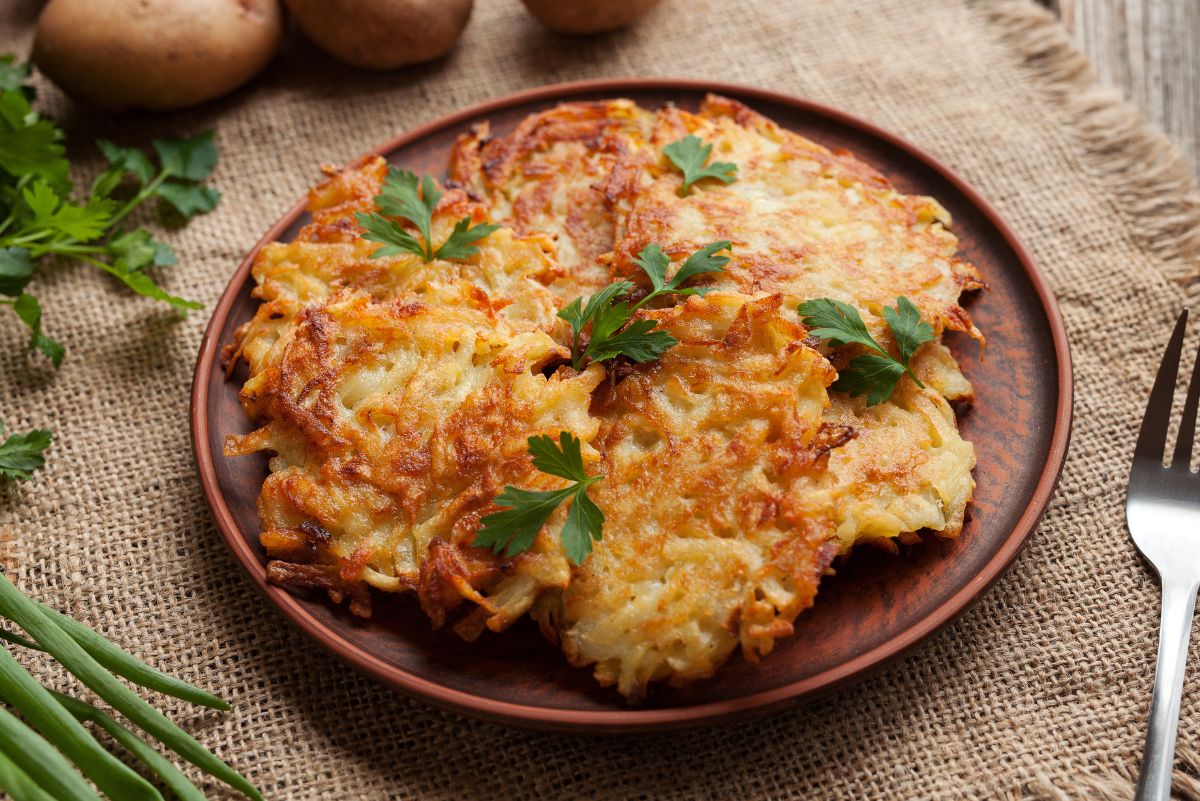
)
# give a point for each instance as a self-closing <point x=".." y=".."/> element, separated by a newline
<point x="1150" y="178"/>
<point x="1157" y="195"/>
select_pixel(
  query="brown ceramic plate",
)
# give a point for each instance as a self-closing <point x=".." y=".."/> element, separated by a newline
<point x="874" y="609"/>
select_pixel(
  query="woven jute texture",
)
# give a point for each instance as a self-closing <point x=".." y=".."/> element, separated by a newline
<point x="1038" y="693"/>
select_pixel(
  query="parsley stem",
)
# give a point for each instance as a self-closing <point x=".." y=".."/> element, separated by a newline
<point x="26" y="238"/>
<point x="141" y="197"/>
<point x="913" y="376"/>
<point x="66" y="250"/>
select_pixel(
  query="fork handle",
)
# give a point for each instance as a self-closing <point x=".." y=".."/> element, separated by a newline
<point x="1158" y="759"/>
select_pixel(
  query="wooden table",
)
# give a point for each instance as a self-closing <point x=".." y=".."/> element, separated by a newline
<point x="1150" y="49"/>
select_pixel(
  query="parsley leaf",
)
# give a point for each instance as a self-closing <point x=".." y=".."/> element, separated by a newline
<point x="30" y="145"/>
<point x="187" y="159"/>
<point x="136" y="250"/>
<point x="390" y="234"/>
<point x="61" y="218"/>
<point x="514" y="529"/>
<point x="872" y="374"/>
<point x="654" y="264"/>
<point x="412" y="199"/>
<point x="30" y="312"/>
<point x="639" y="341"/>
<point x="689" y="155"/>
<point x="13" y="76"/>
<point x="130" y="273"/>
<point x="21" y="454"/>
<point x="121" y="161"/>
<point x="461" y="245"/>
<point x="16" y="270"/>
<point x="188" y="200"/>
<point x="907" y="326"/>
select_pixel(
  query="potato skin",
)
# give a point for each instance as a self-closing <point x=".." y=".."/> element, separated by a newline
<point x="155" y="54"/>
<point x="382" y="34"/>
<point x="587" y="16"/>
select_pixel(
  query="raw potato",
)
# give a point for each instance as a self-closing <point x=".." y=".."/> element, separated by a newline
<point x="156" y="54"/>
<point x="588" y="16"/>
<point x="383" y="34"/>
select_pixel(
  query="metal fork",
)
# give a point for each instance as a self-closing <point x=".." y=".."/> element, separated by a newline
<point x="1162" y="507"/>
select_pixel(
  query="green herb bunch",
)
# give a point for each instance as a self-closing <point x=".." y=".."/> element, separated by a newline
<point x="43" y="217"/>
<point x="39" y="215"/>
<point x="46" y="756"/>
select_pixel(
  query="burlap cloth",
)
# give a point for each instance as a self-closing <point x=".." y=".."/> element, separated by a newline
<point x="1038" y="693"/>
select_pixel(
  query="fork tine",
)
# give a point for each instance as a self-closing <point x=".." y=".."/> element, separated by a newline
<point x="1187" y="425"/>
<point x="1152" y="439"/>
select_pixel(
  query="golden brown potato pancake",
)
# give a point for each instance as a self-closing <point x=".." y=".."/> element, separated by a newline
<point x="396" y="396"/>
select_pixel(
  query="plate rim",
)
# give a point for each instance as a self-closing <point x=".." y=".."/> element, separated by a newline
<point x="668" y="718"/>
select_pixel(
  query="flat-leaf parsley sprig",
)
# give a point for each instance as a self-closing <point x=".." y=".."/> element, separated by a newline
<point x="689" y="154"/>
<point x="412" y="199"/>
<point x="608" y="314"/>
<point x="873" y="374"/>
<point x="514" y="529"/>
<point x="39" y="217"/>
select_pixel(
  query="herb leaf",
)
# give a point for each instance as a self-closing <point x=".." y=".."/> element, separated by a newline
<point x="16" y="270"/>
<point x="405" y="196"/>
<point x="638" y="341"/>
<point x="578" y="315"/>
<point x="13" y="76"/>
<point x="21" y="454"/>
<point x="390" y="234"/>
<point x="30" y="145"/>
<point x="62" y="218"/>
<point x="909" y="329"/>
<point x="121" y="161"/>
<point x="461" y="243"/>
<point x="412" y="199"/>
<point x="689" y="154"/>
<point x="873" y="374"/>
<point x="188" y="200"/>
<point x="584" y="523"/>
<point x="188" y="159"/>
<point x="30" y="312"/>
<point x="654" y="264"/>
<point x="514" y="530"/>
<point x="565" y="462"/>
<point x="702" y="261"/>
<point x="144" y="285"/>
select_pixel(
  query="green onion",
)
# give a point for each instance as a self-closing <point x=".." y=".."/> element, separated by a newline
<point x="40" y="763"/>
<point x="17" y="783"/>
<point x="29" y="616"/>
<point x="171" y="776"/>
<point x="23" y="692"/>
<point x="108" y="654"/>
<point x="8" y="636"/>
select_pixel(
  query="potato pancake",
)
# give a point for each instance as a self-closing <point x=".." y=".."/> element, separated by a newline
<point x="397" y="394"/>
